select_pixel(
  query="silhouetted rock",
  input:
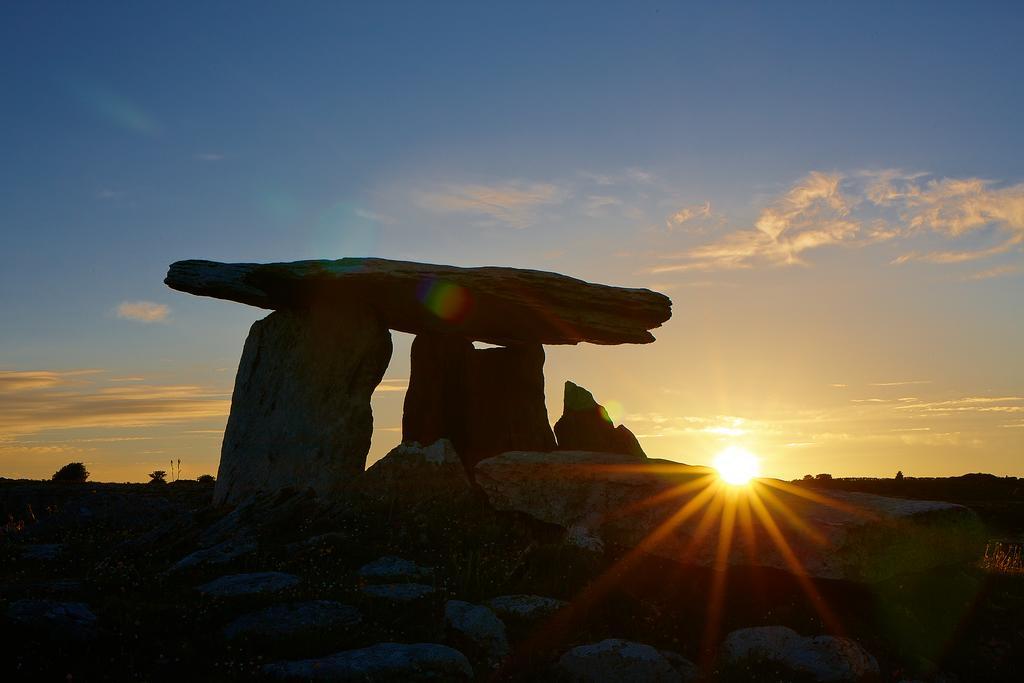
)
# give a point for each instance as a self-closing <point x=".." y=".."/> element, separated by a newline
<point x="496" y="305"/>
<point x="525" y="608"/>
<point x="585" y="426"/>
<point x="235" y="585"/>
<point x="476" y="629"/>
<point x="486" y="401"/>
<point x="42" y="552"/>
<point x="390" y="662"/>
<point x="391" y="569"/>
<point x="821" y="658"/>
<point x="222" y="553"/>
<point x="411" y="474"/>
<point x="300" y="411"/>
<point x="291" y="620"/>
<point x="614" y="660"/>
<point x="601" y="498"/>
<point x="398" y="592"/>
<point x="53" y="619"/>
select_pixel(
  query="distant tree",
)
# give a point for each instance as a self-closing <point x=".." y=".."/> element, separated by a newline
<point x="825" y="476"/>
<point x="158" y="477"/>
<point x="73" y="471"/>
<point x="899" y="475"/>
<point x="206" y="479"/>
<point x="808" y="477"/>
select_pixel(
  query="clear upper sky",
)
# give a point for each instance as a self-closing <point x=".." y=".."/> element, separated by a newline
<point x="831" y="193"/>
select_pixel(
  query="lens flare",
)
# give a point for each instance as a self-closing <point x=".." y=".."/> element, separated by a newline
<point x="736" y="465"/>
<point x="446" y="300"/>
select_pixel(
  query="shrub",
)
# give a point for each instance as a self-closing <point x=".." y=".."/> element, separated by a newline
<point x="73" y="471"/>
<point x="158" y="477"/>
<point x="206" y="479"/>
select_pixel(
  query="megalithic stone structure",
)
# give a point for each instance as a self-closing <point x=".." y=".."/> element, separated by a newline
<point x="300" y="413"/>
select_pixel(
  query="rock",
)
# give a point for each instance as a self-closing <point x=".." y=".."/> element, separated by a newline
<point x="486" y="401"/>
<point x="381" y="662"/>
<point x="398" y="592"/>
<point x="236" y="585"/>
<point x="614" y="499"/>
<point x="525" y="608"/>
<point x="585" y="426"/>
<point x="686" y="669"/>
<point x="42" y="552"/>
<point x="496" y="305"/>
<point x="411" y="474"/>
<point x="479" y="628"/>
<point x="291" y="620"/>
<point x="614" y="660"/>
<point x="821" y="658"/>
<point x="222" y="553"/>
<point x="391" y="569"/>
<point x="54" y="619"/>
<point x="300" y="411"/>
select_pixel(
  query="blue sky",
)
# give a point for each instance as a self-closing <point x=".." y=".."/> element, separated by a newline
<point x="639" y="144"/>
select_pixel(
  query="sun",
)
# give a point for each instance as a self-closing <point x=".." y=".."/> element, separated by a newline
<point x="736" y="465"/>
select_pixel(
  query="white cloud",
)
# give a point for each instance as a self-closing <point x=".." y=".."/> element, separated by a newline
<point x="869" y="207"/>
<point x="508" y="203"/>
<point x="143" y="311"/>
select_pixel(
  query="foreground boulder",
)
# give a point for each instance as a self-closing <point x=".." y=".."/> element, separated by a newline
<point x="479" y="629"/>
<point x="614" y="660"/>
<point x="255" y="583"/>
<point x="292" y="620"/>
<point x="54" y="619"/>
<point x="585" y="426"/>
<point x="391" y="569"/>
<point x="486" y="401"/>
<point x="411" y="474"/>
<point x="496" y="305"/>
<point x="300" y="411"/>
<point x="601" y="498"/>
<point x="380" y="662"/>
<point x="525" y="609"/>
<point x="821" y="658"/>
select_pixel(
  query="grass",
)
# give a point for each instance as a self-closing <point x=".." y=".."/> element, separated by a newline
<point x="1002" y="557"/>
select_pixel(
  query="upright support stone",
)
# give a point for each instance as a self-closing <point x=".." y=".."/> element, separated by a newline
<point x="300" y="411"/>
<point x="486" y="401"/>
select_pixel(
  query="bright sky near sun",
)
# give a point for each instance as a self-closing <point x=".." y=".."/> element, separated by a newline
<point x="831" y="193"/>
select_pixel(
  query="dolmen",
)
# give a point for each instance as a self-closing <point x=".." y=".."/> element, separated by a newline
<point x="300" y="410"/>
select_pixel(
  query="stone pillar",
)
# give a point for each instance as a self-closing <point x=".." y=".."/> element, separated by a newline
<point x="300" y="411"/>
<point x="486" y="401"/>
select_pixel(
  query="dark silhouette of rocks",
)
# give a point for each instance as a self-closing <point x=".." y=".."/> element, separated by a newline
<point x="411" y="474"/>
<point x="300" y="411"/>
<point x="585" y="426"/>
<point x="486" y="401"/>
<point x="380" y="662"/>
<point x="848" y="536"/>
<point x="821" y="658"/>
<point x="615" y="659"/>
<point x="497" y="305"/>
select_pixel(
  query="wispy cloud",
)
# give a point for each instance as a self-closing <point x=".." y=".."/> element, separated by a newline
<point x="813" y="213"/>
<point x="900" y="383"/>
<point x="210" y="156"/>
<point x="688" y="215"/>
<point x="33" y="401"/>
<point x="392" y="385"/>
<point x="143" y="311"/>
<point x="868" y="207"/>
<point x="509" y="203"/>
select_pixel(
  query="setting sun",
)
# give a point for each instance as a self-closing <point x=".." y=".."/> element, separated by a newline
<point x="736" y="465"/>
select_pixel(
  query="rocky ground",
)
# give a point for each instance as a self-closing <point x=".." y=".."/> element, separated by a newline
<point x="149" y="582"/>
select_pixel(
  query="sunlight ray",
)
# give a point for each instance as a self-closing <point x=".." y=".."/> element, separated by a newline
<point x="797" y="569"/>
<point x="794" y="519"/>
